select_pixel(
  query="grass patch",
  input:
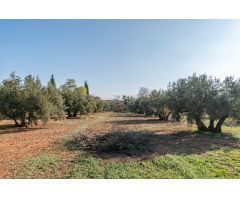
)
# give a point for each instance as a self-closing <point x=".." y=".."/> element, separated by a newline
<point x="234" y="131"/>
<point x="216" y="165"/>
<point x="87" y="167"/>
<point x="44" y="166"/>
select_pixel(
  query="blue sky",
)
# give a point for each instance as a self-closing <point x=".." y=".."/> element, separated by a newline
<point x="119" y="56"/>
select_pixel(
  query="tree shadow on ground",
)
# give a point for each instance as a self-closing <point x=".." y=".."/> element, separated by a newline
<point x="142" y="121"/>
<point x="11" y="129"/>
<point x="145" y="145"/>
<point x="78" y="117"/>
<point x="130" y="115"/>
<point x="73" y="118"/>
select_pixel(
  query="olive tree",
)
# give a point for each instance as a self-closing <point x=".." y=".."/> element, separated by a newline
<point x="143" y="101"/>
<point x="56" y="100"/>
<point x="159" y="104"/>
<point x="91" y="104"/>
<point x="203" y="98"/>
<point x="26" y="102"/>
<point x="75" y="98"/>
<point x="148" y="102"/>
<point x="129" y="103"/>
<point x="11" y="105"/>
<point x="226" y="104"/>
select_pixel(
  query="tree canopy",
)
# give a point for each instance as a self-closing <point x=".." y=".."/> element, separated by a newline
<point x="198" y="98"/>
<point x="27" y="101"/>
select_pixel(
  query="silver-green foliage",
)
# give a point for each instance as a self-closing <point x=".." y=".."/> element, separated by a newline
<point x="204" y="98"/>
<point x="26" y="102"/>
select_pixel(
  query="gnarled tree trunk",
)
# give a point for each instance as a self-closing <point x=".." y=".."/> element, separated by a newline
<point x="218" y="128"/>
<point x="200" y="125"/>
<point x="69" y="113"/>
<point x="211" y="125"/>
<point x="75" y="114"/>
<point x="164" y="117"/>
<point x="15" y="121"/>
<point x="167" y="116"/>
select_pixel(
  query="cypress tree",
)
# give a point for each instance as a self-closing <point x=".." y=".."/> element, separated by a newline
<point x="86" y="86"/>
<point x="52" y="81"/>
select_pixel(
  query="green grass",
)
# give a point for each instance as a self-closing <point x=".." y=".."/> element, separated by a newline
<point x="39" y="167"/>
<point x="234" y="131"/>
<point x="223" y="163"/>
<point x="214" y="163"/>
<point x="217" y="164"/>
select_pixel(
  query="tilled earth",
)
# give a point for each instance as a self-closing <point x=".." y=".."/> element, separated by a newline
<point x="19" y="144"/>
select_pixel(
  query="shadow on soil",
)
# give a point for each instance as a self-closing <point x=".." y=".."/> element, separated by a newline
<point x="129" y="115"/>
<point x="75" y="118"/>
<point x="141" y="121"/>
<point x="144" y="145"/>
<point x="11" y="129"/>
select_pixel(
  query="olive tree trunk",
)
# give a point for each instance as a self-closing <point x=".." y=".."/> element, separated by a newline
<point x="167" y="116"/>
<point x="200" y="125"/>
<point x="211" y="125"/>
<point x="15" y="121"/>
<point x="218" y="128"/>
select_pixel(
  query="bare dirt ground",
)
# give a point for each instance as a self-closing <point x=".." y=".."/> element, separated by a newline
<point x="17" y="144"/>
<point x="156" y="138"/>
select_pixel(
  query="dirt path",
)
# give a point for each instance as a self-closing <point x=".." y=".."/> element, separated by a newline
<point x="17" y="144"/>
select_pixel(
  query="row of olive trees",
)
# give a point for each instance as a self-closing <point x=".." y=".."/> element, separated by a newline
<point x="203" y="100"/>
<point x="150" y="103"/>
<point x="28" y="101"/>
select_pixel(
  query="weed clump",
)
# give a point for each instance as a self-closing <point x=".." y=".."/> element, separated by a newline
<point x="130" y="144"/>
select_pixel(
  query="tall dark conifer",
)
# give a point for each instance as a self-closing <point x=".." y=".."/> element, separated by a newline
<point x="86" y="86"/>
<point x="52" y="81"/>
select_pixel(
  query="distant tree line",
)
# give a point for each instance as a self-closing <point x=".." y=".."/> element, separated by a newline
<point x="27" y="101"/>
<point x="200" y="99"/>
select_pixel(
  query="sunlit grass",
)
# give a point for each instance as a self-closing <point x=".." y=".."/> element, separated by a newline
<point x="221" y="162"/>
<point x="215" y="164"/>
<point x="234" y="131"/>
<point x="218" y="164"/>
<point x="39" y="167"/>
